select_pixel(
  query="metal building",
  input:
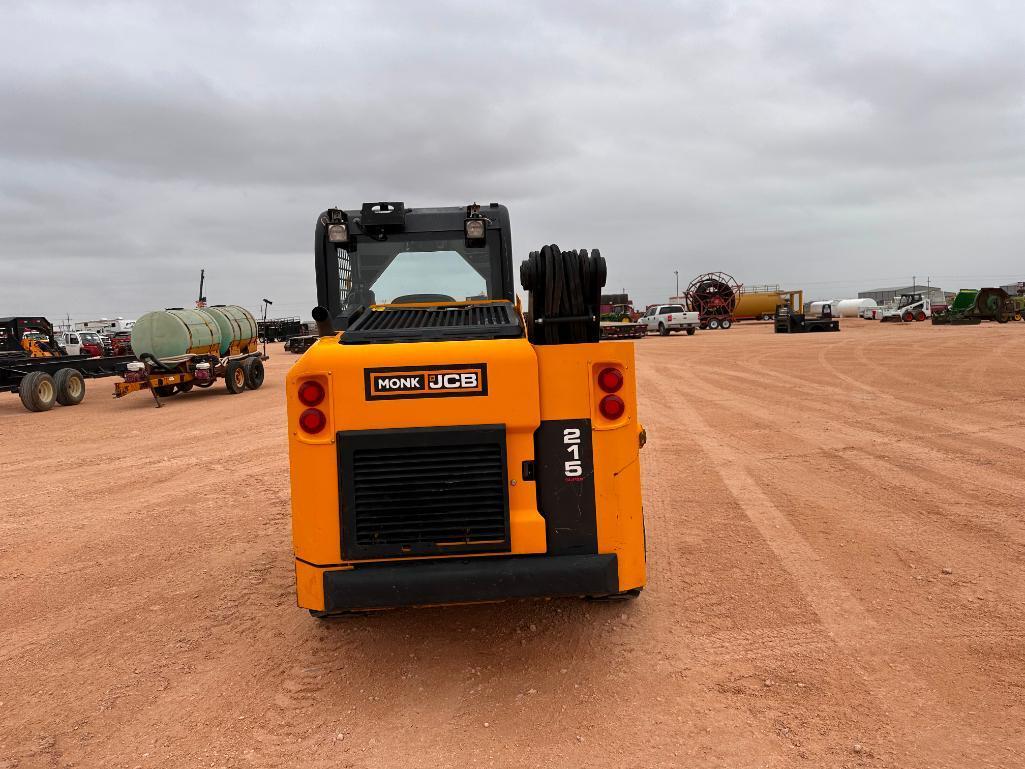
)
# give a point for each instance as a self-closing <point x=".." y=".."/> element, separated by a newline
<point x="884" y="296"/>
<point x="1014" y="288"/>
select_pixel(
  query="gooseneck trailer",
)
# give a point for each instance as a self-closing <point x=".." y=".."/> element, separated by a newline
<point x="33" y="365"/>
<point x="42" y="382"/>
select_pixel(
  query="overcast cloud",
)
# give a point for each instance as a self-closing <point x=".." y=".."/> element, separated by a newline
<point x="826" y="145"/>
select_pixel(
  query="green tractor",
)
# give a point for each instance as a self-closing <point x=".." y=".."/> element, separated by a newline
<point x="620" y="313"/>
<point x="971" y="306"/>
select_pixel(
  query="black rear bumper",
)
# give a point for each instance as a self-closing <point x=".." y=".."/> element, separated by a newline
<point x="385" y="586"/>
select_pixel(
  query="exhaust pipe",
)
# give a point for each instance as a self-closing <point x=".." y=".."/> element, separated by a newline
<point x="323" y="320"/>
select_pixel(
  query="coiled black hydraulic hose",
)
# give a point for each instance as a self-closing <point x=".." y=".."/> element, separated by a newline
<point x="564" y="295"/>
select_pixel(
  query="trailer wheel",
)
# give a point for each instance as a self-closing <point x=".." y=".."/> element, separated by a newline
<point x="691" y="331"/>
<point x="713" y="323"/>
<point x="725" y="324"/>
<point x="70" y="386"/>
<point x="235" y="379"/>
<point x="253" y="368"/>
<point x="184" y="387"/>
<point x="38" y="391"/>
<point x="165" y="391"/>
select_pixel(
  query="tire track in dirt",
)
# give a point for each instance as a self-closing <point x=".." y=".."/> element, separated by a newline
<point x="943" y="462"/>
<point x="898" y="409"/>
<point x="843" y="616"/>
<point x="895" y="464"/>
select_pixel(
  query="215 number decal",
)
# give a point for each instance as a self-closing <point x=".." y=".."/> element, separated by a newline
<point x="571" y="440"/>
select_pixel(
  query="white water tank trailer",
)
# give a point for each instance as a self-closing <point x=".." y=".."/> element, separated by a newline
<point x="853" y="308"/>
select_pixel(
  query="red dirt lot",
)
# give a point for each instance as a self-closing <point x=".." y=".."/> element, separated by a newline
<point x="836" y="543"/>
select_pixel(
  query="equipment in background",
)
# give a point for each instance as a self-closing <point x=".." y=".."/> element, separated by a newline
<point x="713" y="296"/>
<point x="619" y="318"/>
<point x="618" y="308"/>
<point x="818" y="318"/>
<point x="1018" y="307"/>
<point x="27" y="337"/>
<point x="179" y="349"/>
<point x="104" y="325"/>
<point x="33" y="365"/>
<point x="760" y="302"/>
<point x="450" y="450"/>
<point x="971" y="306"/>
<point x="910" y="307"/>
<point x="300" y="344"/>
<point x="853" y="308"/>
<point x="279" y="329"/>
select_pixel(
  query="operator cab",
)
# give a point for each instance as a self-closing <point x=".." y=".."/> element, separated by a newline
<point x="388" y="273"/>
<point x="906" y="300"/>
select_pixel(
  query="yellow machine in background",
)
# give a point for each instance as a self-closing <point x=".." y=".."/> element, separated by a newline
<point x="446" y="448"/>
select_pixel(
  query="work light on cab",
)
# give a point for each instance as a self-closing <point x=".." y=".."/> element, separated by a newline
<point x="312" y="421"/>
<point x="311" y="393"/>
<point x="611" y="407"/>
<point x="610" y="380"/>
<point x="475" y="229"/>
<point x="475" y="226"/>
<point x="337" y="226"/>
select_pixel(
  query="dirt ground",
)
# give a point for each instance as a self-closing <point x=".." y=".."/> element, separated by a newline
<point x="836" y="543"/>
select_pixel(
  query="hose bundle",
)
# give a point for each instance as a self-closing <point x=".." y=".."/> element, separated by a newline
<point x="564" y="295"/>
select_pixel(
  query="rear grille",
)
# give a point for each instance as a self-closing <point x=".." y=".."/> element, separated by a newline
<point x="423" y="491"/>
<point x="476" y="321"/>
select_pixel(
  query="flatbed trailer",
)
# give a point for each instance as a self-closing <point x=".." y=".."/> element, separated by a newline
<point x="622" y="330"/>
<point x="789" y="322"/>
<point x="279" y="329"/>
<point x="42" y="382"/>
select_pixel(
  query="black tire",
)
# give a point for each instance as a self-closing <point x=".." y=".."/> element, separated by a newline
<point x="184" y="387"/>
<point x="38" y="391"/>
<point x="70" y="386"/>
<point x="725" y="323"/>
<point x="662" y="330"/>
<point x="254" y="373"/>
<point x="235" y="378"/>
<point x="165" y="391"/>
<point x="691" y="331"/>
<point x="713" y="323"/>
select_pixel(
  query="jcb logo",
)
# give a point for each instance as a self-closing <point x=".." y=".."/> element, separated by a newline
<point x="468" y="381"/>
<point x="426" y="381"/>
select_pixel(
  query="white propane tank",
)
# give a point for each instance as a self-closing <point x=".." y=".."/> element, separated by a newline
<point x="853" y="308"/>
<point x="815" y="309"/>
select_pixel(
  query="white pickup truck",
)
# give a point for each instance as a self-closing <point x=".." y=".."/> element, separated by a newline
<point x="666" y="318"/>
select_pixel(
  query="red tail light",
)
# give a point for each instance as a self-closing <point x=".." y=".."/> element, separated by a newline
<point x="610" y="380"/>
<point x="311" y="393"/>
<point x="611" y="407"/>
<point x="312" y="421"/>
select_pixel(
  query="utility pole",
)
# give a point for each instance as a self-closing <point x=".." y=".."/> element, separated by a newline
<point x="677" y="274"/>
<point x="266" y="304"/>
<point x="201" y="301"/>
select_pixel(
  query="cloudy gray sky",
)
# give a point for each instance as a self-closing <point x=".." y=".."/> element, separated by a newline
<point x="826" y="145"/>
